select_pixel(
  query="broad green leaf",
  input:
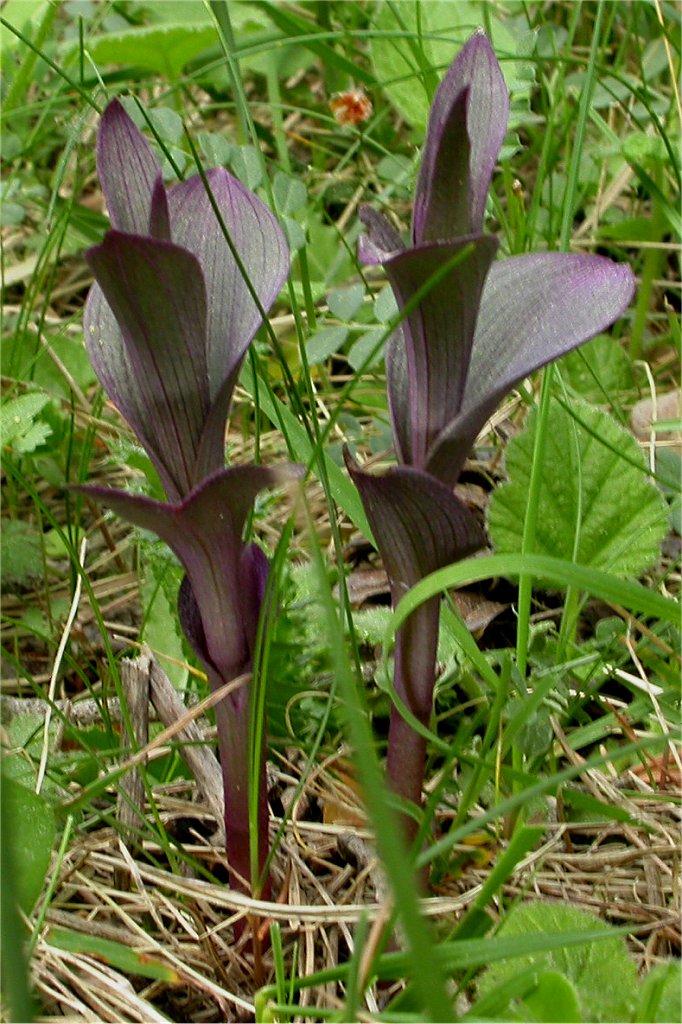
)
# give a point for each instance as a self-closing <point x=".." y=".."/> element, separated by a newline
<point x="366" y="346"/>
<point x="167" y="123"/>
<point x="325" y="343"/>
<point x="596" y="506"/>
<point x="290" y="193"/>
<point x="116" y="954"/>
<point x="217" y="150"/>
<point x="602" y="974"/>
<point x="397" y="170"/>
<point x="597" y="371"/>
<point x="345" y="302"/>
<point x="554" y="999"/>
<point x="669" y="474"/>
<point x="33" y="832"/>
<point x="385" y="305"/>
<point x="162" y="631"/>
<point x="246" y="164"/>
<point x="660" y="997"/>
<point x="23" y="15"/>
<point x="426" y="37"/>
<point x="294" y="232"/>
<point x="328" y="262"/>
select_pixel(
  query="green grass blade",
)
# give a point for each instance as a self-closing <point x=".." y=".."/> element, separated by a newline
<point x="554" y="570"/>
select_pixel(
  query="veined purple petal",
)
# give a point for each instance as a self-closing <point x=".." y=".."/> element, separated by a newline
<point x="159" y="217"/>
<point x="442" y="201"/>
<point x="535" y="308"/>
<point x="253" y="575"/>
<point x="382" y="240"/>
<point x="128" y="170"/>
<point x="418" y="523"/>
<point x="233" y="317"/>
<point x="205" y="532"/>
<point x="469" y="112"/>
<point x="426" y="374"/>
<point x="157" y="377"/>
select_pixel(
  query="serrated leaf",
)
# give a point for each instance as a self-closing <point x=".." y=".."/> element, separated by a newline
<point x="592" y="489"/>
<point x="33" y="438"/>
<point x="325" y="343"/>
<point x="162" y="48"/>
<point x="33" y="832"/>
<point x="345" y="302"/>
<point x="601" y="974"/>
<point x="597" y="370"/>
<point x="20" y="554"/>
<point x="17" y="419"/>
<point x="641" y="148"/>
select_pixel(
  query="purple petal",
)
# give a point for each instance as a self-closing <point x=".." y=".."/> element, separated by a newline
<point x="427" y="367"/>
<point x="253" y="574"/>
<point x="382" y="241"/>
<point x="192" y="626"/>
<point x="233" y="316"/>
<point x="469" y="113"/>
<point x="205" y="532"/>
<point x="442" y="201"/>
<point x="159" y="217"/>
<point x="535" y="308"/>
<point x="157" y="377"/>
<point x="418" y="524"/>
<point x="128" y="170"/>
<point x="256" y="565"/>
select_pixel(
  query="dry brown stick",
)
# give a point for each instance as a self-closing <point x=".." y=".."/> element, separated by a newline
<point x="199" y="758"/>
<point x="135" y="677"/>
<point x="82" y="713"/>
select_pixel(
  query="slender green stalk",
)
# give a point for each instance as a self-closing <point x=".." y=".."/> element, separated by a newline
<point x="530" y="523"/>
<point x="59" y="71"/>
<point x="221" y="13"/>
<point x="18" y="87"/>
<point x="652" y="265"/>
<point x="428" y="978"/>
<point x="535" y="483"/>
<point x="275" y="100"/>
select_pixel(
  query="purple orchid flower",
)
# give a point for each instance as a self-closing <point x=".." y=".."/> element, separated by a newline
<point x="167" y="325"/>
<point x="472" y="329"/>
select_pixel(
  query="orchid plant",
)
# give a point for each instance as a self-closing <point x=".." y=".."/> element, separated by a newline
<point x="167" y="325"/>
<point x="471" y="329"/>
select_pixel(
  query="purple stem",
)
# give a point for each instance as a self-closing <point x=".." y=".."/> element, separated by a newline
<point x="414" y="678"/>
<point x="232" y="720"/>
